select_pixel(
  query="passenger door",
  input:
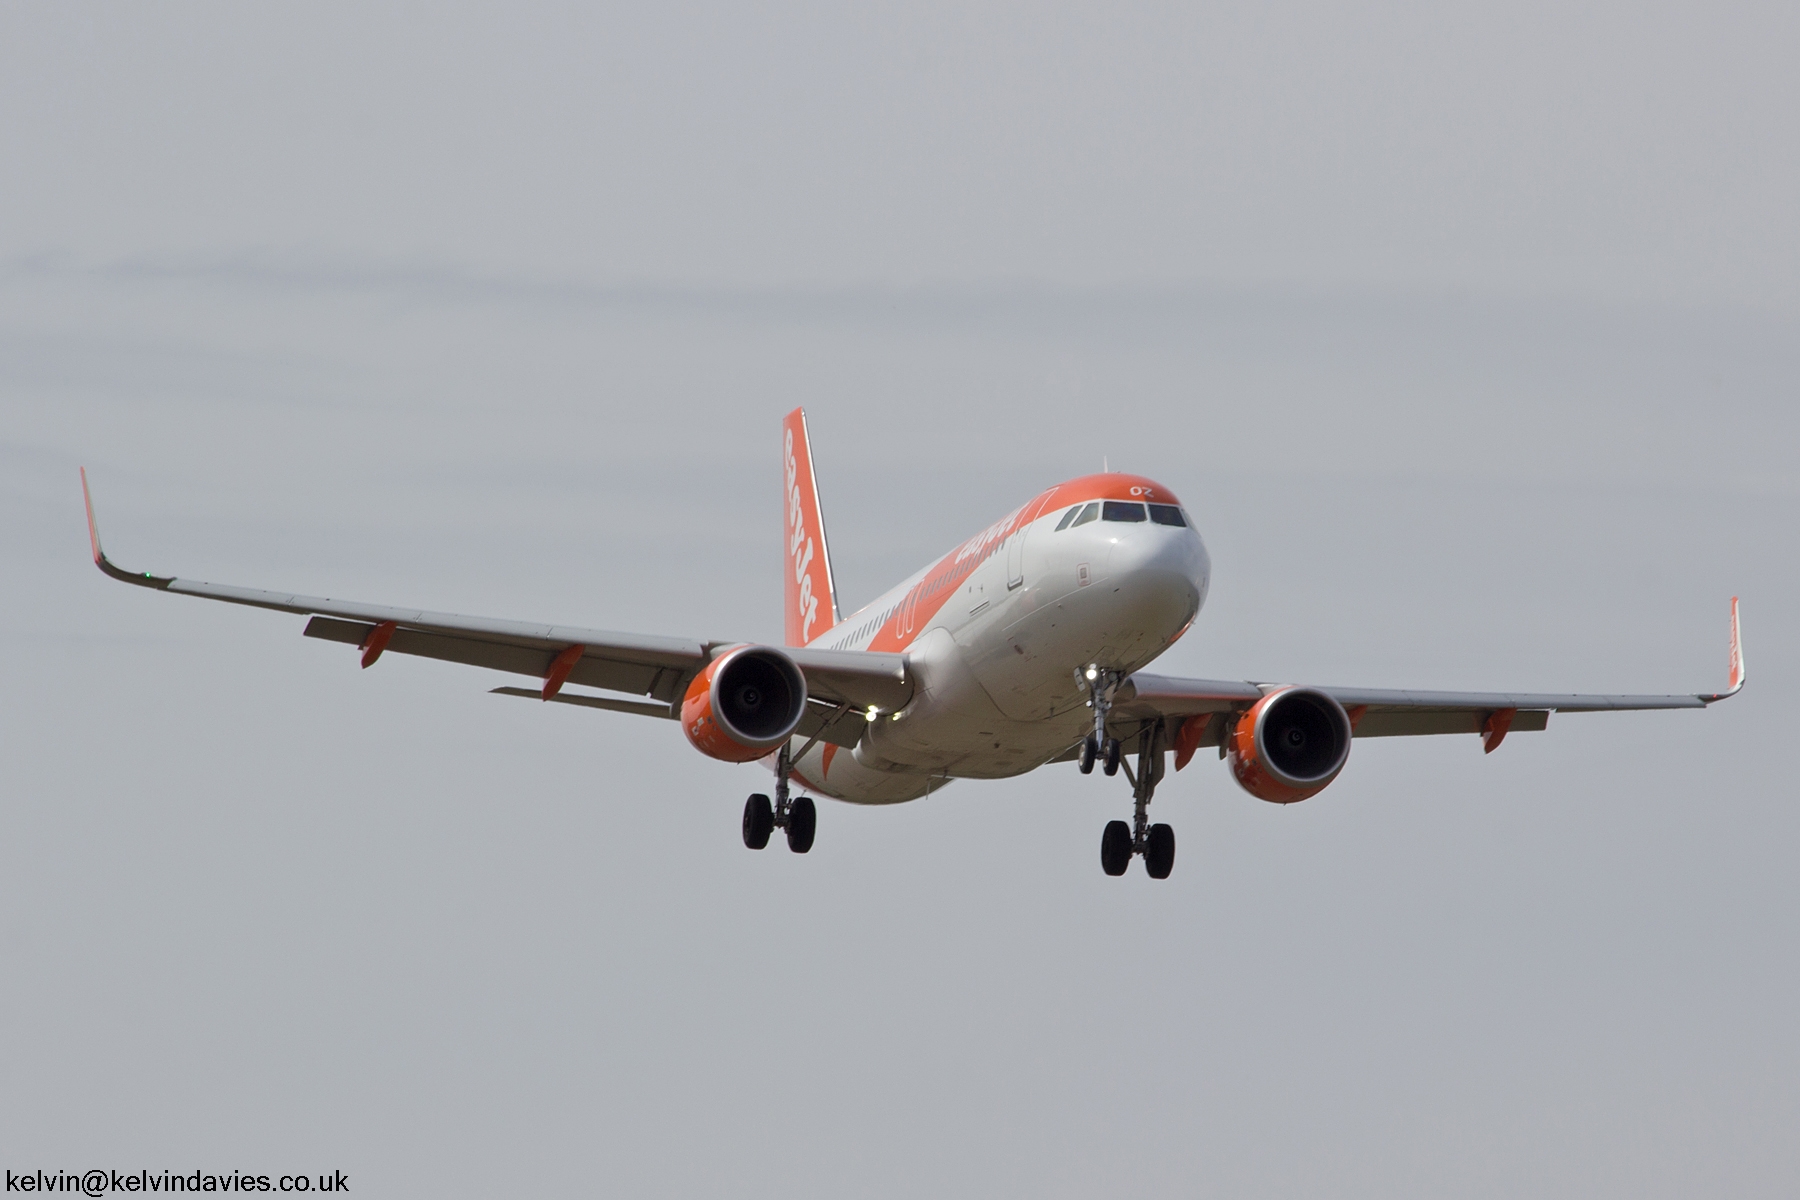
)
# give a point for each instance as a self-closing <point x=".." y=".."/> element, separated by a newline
<point x="1015" y="545"/>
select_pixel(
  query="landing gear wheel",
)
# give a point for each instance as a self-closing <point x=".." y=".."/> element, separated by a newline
<point x="803" y="819"/>
<point x="1115" y="848"/>
<point x="759" y="821"/>
<point x="1159" y="851"/>
<point x="1089" y="752"/>
<point x="1112" y="756"/>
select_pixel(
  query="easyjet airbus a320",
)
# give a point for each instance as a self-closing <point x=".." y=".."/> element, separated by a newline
<point x="1024" y="646"/>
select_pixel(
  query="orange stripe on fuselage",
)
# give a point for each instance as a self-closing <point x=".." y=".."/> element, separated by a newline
<point x="927" y="598"/>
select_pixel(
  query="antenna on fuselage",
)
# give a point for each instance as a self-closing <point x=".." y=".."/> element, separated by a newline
<point x="1105" y="468"/>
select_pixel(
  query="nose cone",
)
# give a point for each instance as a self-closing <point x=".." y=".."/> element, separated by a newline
<point x="1162" y="571"/>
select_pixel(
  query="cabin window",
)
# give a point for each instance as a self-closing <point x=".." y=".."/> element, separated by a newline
<point x="1089" y="513"/>
<point x="1067" y="517"/>
<point x="1122" y="510"/>
<point x="1167" y="514"/>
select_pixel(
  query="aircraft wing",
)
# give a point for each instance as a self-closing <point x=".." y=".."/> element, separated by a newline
<point x="649" y="674"/>
<point x="1382" y="712"/>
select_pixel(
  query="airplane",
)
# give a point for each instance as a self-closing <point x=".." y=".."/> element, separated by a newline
<point x="1023" y="646"/>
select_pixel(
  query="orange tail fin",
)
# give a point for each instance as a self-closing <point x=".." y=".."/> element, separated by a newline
<point x="811" y="606"/>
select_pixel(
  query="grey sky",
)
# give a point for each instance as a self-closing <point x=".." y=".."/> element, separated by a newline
<point x="1468" y="338"/>
<point x="1621" y="150"/>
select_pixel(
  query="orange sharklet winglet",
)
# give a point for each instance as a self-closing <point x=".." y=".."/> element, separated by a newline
<point x="1735" y="677"/>
<point x="141" y="579"/>
<point x="93" y="526"/>
<point x="1735" y="673"/>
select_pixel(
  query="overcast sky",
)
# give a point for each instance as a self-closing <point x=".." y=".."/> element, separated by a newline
<point x="1468" y="336"/>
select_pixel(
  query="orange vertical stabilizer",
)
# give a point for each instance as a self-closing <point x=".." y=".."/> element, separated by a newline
<point x="811" y="599"/>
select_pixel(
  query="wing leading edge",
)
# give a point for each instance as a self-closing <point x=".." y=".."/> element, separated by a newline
<point x="637" y="665"/>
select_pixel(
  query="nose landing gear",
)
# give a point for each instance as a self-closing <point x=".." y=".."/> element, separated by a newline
<point x="798" y="816"/>
<point x="1100" y="685"/>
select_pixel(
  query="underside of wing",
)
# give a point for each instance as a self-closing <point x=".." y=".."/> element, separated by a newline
<point x="637" y="666"/>
<point x="1207" y="709"/>
<point x="1378" y="712"/>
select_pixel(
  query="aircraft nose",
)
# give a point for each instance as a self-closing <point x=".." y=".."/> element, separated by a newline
<point x="1156" y="551"/>
<point x="1168" y="565"/>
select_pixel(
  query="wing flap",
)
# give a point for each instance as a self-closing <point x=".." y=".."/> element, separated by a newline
<point x="1423" y="722"/>
<point x="860" y="678"/>
<point x="600" y="666"/>
<point x="643" y="708"/>
<point x="1389" y="699"/>
<point x="841" y="726"/>
<point x="1166" y="695"/>
<point x="660" y="651"/>
<point x="865" y="678"/>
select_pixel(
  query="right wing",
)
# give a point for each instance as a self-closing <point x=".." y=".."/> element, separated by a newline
<point x="1200" y="712"/>
<point x="650" y="673"/>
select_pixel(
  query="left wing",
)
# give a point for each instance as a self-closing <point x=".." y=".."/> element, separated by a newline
<point x="1199" y="712"/>
<point x="651" y="673"/>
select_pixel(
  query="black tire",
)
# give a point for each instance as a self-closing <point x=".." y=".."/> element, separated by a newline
<point x="1113" y="750"/>
<point x="759" y="821"/>
<point x="1088" y="754"/>
<point x="1115" y="848"/>
<point x="1159" y="851"/>
<point x="803" y="819"/>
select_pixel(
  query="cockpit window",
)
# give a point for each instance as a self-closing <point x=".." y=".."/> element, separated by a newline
<point x="1122" y="510"/>
<point x="1088" y="514"/>
<point x="1067" y="517"/>
<point x="1166" y="514"/>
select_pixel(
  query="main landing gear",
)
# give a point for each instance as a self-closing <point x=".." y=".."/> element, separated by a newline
<point x="799" y="816"/>
<point x="1119" y="842"/>
<point x="1155" y="842"/>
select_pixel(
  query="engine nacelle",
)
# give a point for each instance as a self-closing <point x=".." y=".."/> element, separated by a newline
<point x="747" y="702"/>
<point x="1289" y="745"/>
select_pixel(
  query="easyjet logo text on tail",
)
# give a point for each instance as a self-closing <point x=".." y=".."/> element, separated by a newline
<point x="800" y="543"/>
<point x="810" y="607"/>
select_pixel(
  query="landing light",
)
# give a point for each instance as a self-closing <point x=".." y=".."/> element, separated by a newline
<point x="871" y="714"/>
<point x="1092" y="674"/>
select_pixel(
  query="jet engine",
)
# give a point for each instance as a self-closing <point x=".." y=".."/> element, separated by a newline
<point x="1289" y="745"/>
<point x="747" y="702"/>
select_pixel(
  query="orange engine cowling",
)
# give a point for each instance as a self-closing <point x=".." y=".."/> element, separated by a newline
<point x="1289" y="745"/>
<point x="747" y="702"/>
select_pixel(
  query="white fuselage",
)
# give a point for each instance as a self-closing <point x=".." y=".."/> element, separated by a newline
<point x="996" y="663"/>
